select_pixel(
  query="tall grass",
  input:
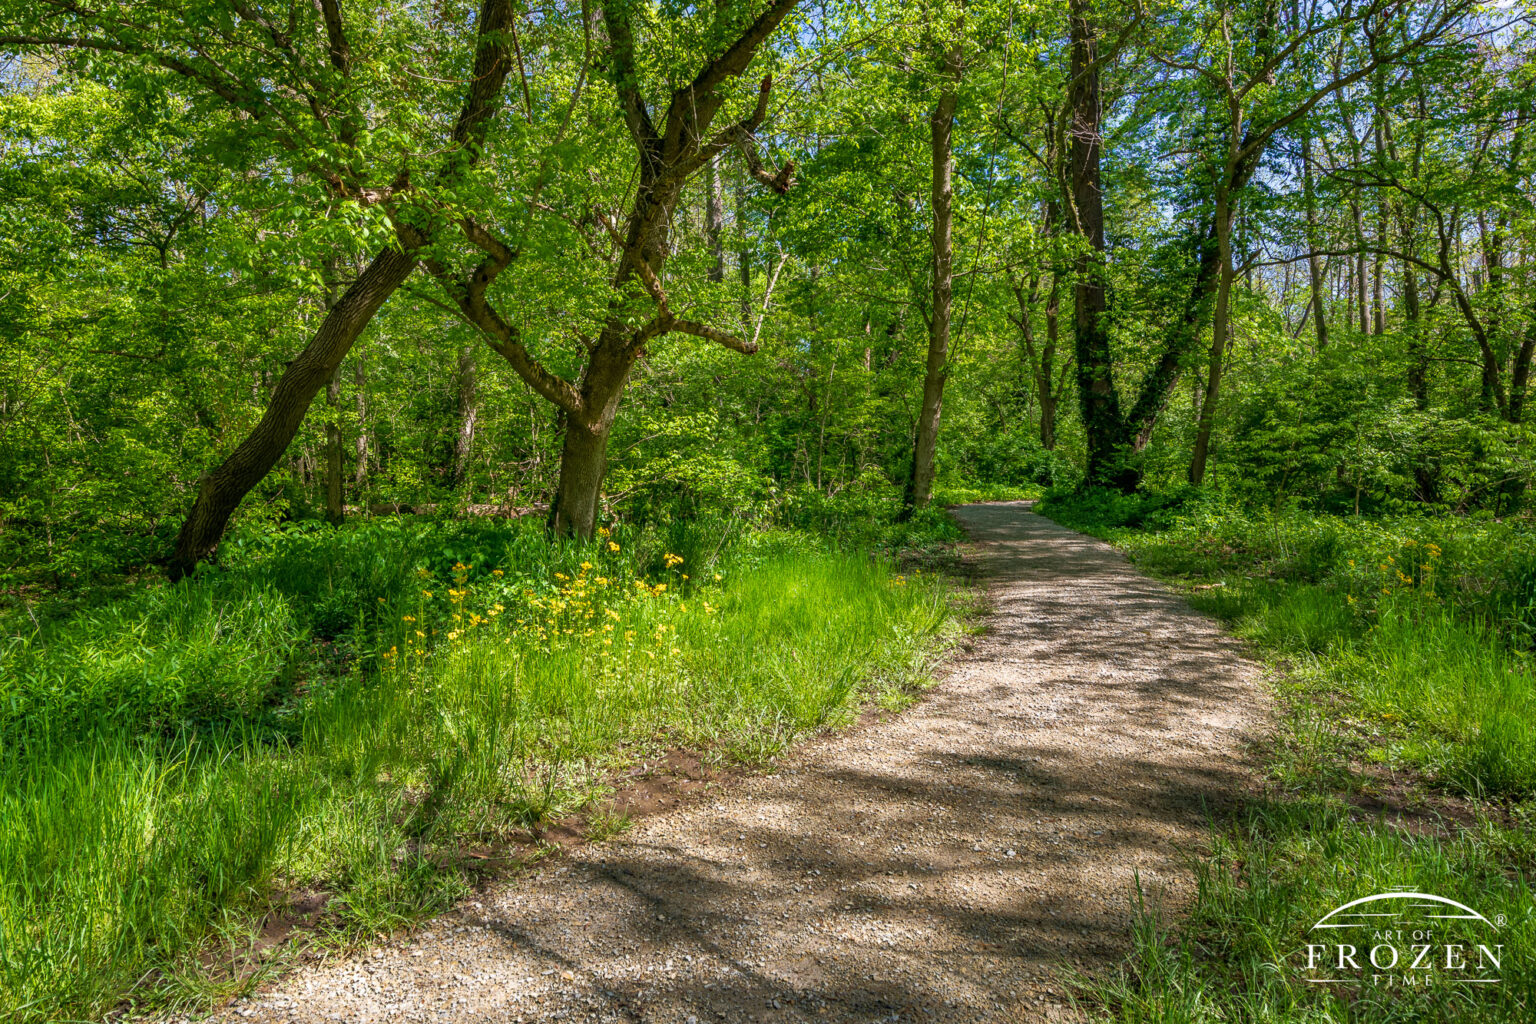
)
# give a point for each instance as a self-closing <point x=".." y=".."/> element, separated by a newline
<point x="323" y="717"/>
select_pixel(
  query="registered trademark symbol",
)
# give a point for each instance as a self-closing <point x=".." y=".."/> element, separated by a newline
<point x="1498" y="920"/>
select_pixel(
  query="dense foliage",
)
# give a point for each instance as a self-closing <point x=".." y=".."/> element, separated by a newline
<point x="374" y="376"/>
<point x="1359" y="339"/>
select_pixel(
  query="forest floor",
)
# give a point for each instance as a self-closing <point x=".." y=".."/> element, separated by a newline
<point x="960" y="861"/>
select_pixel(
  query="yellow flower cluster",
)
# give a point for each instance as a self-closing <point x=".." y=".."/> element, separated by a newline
<point x="583" y="609"/>
<point x="1420" y="575"/>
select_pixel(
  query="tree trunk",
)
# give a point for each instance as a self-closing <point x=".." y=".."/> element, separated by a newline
<point x="1360" y="280"/>
<point x="468" y="413"/>
<point x="714" y="217"/>
<point x="1380" y="131"/>
<point x="583" y="462"/>
<point x="333" y="506"/>
<point x="583" y="455"/>
<point x="1046" y="384"/>
<point x="744" y="259"/>
<point x="1314" y="263"/>
<point x="222" y="490"/>
<point x="360" y="381"/>
<point x="1095" y="374"/>
<point x="1220" y="326"/>
<point x="1418" y="357"/>
<point x="1520" y="376"/>
<point x="941" y="131"/>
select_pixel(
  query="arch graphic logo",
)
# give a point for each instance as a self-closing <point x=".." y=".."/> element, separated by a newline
<point x="1404" y="938"/>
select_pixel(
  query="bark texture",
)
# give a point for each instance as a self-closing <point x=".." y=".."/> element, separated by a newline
<point x="1098" y="398"/>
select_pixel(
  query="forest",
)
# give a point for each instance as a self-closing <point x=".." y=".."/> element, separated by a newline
<point x="415" y="415"/>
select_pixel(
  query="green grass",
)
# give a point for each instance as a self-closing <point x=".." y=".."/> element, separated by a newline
<point x="1239" y="956"/>
<point x="344" y="712"/>
<point x="1404" y="673"/>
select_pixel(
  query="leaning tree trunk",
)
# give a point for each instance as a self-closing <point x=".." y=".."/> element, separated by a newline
<point x="222" y="490"/>
<point x="941" y="125"/>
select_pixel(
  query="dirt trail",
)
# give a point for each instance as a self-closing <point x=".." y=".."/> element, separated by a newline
<point x="935" y="867"/>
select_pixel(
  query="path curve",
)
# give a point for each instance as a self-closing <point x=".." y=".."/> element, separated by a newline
<point x="934" y="867"/>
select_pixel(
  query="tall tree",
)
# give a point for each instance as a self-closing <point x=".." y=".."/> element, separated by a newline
<point x="667" y="156"/>
<point x="950" y="40"/>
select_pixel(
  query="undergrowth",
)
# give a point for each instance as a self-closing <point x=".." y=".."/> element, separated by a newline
<point x="343" y="711"/>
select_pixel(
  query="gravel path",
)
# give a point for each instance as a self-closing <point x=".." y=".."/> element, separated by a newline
<point x="938" y="866"/>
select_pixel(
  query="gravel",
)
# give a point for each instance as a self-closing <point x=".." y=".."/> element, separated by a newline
<point x="952" y="863"/>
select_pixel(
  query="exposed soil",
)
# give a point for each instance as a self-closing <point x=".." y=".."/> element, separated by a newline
<point x="952" y="863"/>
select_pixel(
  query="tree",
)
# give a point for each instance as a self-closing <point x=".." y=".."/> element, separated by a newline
<point x="950" y="41"/>
<point x="302" y="76"/>
<point x="638" y="310"/>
